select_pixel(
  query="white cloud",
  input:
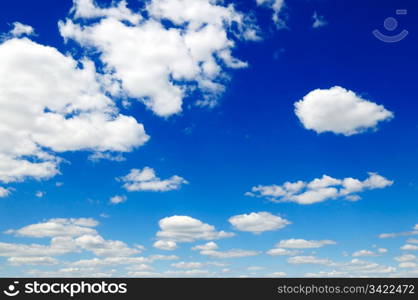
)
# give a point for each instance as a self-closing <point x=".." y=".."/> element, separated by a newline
<point x="116" y="261"/>
<point x="40" y="260"/>
<point x="303" y="244"/>
<point x="4" y="192"/>
<point x="117" y="199"/>
<point x="146" y="180"/>
<point x="258" y="222"/>
<point x="276" y="6"/>
<point x="319" y="21"/>
<point x="165" y="245"/>
<point x="207" y="246"/>
<point x="196" y="53"/>
<point x="39" y="194"/>
<point x="188" y="229"/>
<point x="20" y="29"/>
<point x="282" y="252"/>
<point x="58" y="246"/>
<point x="188" y="265"/>
<point x="382" y="250"/>
<point x="405" y="257"/>
<point x="408" y="265"/>
<point x="339" y="111"/>
<point x="57" y="227"/>
<point x="319" y="189"/>
<point x="308" y="260"/>
<point x="102" y="247"/>
<point x="210" y="249"/>
<point x="363" y="252"/>
<point x="277" y="274"/>
<point x="49" y="103"/>
<point x="409" y="247"/>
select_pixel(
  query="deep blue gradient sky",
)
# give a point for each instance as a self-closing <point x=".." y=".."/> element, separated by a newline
<point x="252" y="137"/>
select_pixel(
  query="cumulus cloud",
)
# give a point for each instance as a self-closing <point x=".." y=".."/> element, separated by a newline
<point x="117" y="199"/>
<point x="409" y="247"/>
<point x="40" y="260"/>
<point x="188" y="229"/>
<point x="405" y="257"/>
<point x="414" y="231"/>
<point x="339" y="111"/>
<point x="363" y="252"/>
<point x="282" y="252"/>
<point x="210" y="249"/>
<point x="303" y="244"/>
<point x="320" y="189"/>
<point x="258" y="222"/>
<point x="20" y="29"/>
<point x="50" y="103"/>
<point x="188" y="265"/>
<point x="198" y="42"/>
<point x="308" y="260"/>
<point x="165" y="245"/>
<point x="146" y="180"/>
<point x="57" y="227"/>
<point x="101" y="247"/>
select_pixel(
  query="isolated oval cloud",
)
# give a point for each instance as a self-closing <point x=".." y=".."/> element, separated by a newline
<point x="340" y="111"/>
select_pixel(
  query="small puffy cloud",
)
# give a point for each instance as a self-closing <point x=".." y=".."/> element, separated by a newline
<point x="188" y="265"/>
<point x="405" y="257"/>
<point x="20" y="29"/>
<point x="382" y="250"/>
<point x="319" y="21"/>
<point x="363" y="252"/>
<point x="207" y="246"/>
<point x="165" y="245"/>
<point x="117" y="199"/>
<point x="277" y="274"/>
<point x="339" y="111"/>
<point x="58" y="227"/>
<point x="188" y="229"/>
<point x="409" y="247"/>
<point x="4" y="192"/>
<point x="147" y="180"/>
<point x="303" y="244"/>
<point x="39" y="194"/>
<point x="198" y="41"/>
<point x="282" y="252"/>
<point x="276" y="6"/>
<point x="210" y="249"/>
<point x="320" y="189"/>
<point x="40" y="260"/>
<point x="102" y="247"/>
<point x="308" y="260"/>
<point x="258" y="222"/>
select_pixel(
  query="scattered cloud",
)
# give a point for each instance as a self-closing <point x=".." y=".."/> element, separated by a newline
<point x="40" y="260"/>
<point x="146" y="180"/>
<point x="117" y="199"/>
<point x="20" y="29"/>
<point x="276" y="6"/>
<point x="303" y="244"/>
<point x="308" y="260"/>
<point x="320" y="189"/>
<point x="258" y="222"/>
<point x="4" y="192"/>
<point x="339" y="111"/>
<point x="319" y="21"/>
<point x="282" y="252"/>
<point x="363" y="252"/>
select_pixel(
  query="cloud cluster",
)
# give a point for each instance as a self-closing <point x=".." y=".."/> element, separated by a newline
<point x="210" y="249"/>
<point x="51" y="102"/>
<point x="146" y="180"/>
<point x="339" y="111"/>
<point x="320" y="189"/>
<point x="197" y="48"/>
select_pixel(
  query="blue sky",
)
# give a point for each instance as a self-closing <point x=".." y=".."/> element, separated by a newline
<point x="195" y="120"/>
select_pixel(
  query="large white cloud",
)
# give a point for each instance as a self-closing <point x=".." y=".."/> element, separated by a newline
<point x="258" y="222"/>
<point x="49" y="103"/>
<point x="320" y="189"/>
<point x="188" y="229"/>
<point x="339" y="111"/>
<point x="146" y="180"/>
<point x="196" y="49"/>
